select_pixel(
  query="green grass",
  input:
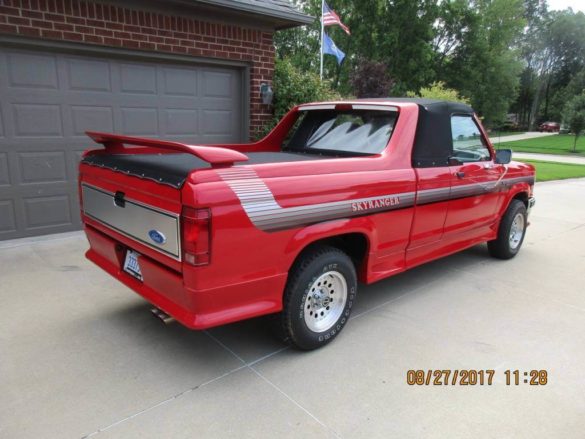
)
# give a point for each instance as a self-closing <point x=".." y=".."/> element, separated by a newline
<point x="555" y="144"/>
<point x="547" y="171"/>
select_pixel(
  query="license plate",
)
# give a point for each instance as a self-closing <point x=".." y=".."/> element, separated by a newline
<point x="131" y="265"/>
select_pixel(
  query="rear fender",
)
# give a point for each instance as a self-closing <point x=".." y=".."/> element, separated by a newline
<point x="315" y="233"/>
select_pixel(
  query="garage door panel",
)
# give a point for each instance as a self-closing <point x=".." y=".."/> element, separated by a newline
<point x="4" y="175"/>
<point x="7" y="217"/>
<point x="40" y="212"/>
<point x="139" y="121"/>
<point x="217" y="84"/>
<point x="138" y="78"/>
<point x="37" y="120"/>
<point x="216" y="121"/>
<point x="179" y="121"/>
<point x="42" y="167"/>
<point x="88" y="75"/>
<point x="50" y="99"/>
<point x="179" y="81"/>
<point x="32" y="71"/>
<point x="94" y="118"/>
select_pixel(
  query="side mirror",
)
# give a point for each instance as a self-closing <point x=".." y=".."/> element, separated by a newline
<point x="503" y="156"/>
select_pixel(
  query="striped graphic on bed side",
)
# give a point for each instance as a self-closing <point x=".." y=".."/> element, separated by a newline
<point x="265" y="213"/>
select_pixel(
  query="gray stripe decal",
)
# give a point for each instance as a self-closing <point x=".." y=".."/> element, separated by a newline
<point x="266" y="214"/>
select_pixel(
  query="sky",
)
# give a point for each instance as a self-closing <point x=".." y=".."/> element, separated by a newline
<point x="577" y="5"/>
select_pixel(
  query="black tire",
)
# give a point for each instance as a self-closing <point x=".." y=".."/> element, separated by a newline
<point x="501" y="247"/>
<point x="310" y="268"/>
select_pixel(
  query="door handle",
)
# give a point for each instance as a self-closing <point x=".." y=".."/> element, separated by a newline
<point x="460" y="174"/>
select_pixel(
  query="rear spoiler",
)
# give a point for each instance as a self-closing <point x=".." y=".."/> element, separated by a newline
<point x="216" y="156"/>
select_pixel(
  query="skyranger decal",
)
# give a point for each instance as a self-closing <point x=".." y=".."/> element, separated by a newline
<point x="375" y="204"/>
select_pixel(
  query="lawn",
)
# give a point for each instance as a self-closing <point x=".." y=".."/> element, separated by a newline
<point x="557" y="144"/>
<point x="547" y="171"/>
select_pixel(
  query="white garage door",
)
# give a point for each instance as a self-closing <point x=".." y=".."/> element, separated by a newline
<point x="48" y="100"/>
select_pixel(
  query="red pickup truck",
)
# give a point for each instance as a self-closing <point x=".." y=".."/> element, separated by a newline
<point x="337" y="192"/>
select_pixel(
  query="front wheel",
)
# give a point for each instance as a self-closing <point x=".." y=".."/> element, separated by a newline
<point x="511" y="232"/>
<point x="318" y="298"/>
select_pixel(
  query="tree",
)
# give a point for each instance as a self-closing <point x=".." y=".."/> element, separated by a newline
<point x="451" y="28"/>
<point x="437" y="90"/>
<point x="530" y="42"/>
<point x="574" y="116"/>
<point x="484" y="65"/>
<point x="300" y="45"/>
<point x="554" y="55"/>
<point x="370" y="79"/>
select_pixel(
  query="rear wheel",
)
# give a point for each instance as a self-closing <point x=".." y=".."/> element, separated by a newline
<point x="318" y="297"/>
<point x="511" y="232"/>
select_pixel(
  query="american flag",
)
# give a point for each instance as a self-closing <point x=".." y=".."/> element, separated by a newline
<point x="330" y="18"/>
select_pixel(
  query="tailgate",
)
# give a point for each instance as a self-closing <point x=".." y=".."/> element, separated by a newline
<point x="132" y="195"/>
<point x="152" y="226"/>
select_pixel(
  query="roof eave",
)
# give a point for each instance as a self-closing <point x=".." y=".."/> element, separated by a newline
<point x="290" y="19"/>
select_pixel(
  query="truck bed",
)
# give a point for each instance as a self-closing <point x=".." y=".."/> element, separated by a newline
<point x="173" y="169"/>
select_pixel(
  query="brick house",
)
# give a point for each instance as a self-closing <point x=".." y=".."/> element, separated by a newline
<point x="187" y="70"/>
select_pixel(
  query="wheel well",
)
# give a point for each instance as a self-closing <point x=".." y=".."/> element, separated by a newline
<point x="522" y="196"/>
<point x="355" y="245"/>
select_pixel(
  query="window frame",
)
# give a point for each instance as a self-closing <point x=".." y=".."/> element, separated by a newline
<point x="484" y="140"/>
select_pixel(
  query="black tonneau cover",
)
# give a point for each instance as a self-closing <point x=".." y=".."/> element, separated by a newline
<point x="173" y="169"/>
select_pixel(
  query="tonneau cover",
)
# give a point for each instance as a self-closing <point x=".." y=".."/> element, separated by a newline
<point x="172" y="169"/>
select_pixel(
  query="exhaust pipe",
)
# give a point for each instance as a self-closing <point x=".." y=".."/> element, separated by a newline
<point x="162" y="316"/>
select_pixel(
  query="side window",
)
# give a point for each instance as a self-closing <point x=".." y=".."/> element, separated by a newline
<point x="468" y="143"/>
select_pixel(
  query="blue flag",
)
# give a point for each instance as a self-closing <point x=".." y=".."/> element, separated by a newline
<point x="330" y="48"/>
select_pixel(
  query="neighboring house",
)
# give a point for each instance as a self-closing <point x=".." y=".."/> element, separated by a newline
<point x="186" y="70"/>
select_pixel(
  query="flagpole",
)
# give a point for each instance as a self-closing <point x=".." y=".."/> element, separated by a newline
<point x="322" y="33"/>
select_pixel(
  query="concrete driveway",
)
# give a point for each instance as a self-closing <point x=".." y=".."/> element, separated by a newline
<point x="80" y="355"/>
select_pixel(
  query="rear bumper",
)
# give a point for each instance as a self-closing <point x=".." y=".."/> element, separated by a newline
<point x="193" y="308"/>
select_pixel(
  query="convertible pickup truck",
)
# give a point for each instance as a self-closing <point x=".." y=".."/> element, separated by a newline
<point x="336" y="193"/>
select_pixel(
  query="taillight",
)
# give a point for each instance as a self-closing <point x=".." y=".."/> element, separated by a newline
<point x="196" y="235"/>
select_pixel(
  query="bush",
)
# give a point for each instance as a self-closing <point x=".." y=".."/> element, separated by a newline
<point x="437" y="90"/>
<point x="370" y="79"/>
<point x="293" y="87"/>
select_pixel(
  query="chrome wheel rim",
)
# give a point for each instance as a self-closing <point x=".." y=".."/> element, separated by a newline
<point x="325" y="301"/>
<point x="516" y="231"/>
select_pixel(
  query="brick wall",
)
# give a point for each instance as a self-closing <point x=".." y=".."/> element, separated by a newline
<point x="118" y="26"/>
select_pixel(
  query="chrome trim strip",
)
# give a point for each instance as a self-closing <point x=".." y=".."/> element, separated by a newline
<point x="381" y="107"/>
<point x="374" y="107"/>
<point x="317" y="107"/>
<point x="136" y="223"/>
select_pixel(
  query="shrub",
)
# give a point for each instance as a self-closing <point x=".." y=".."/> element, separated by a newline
<point x="370" y="79"/>
<point x="437" y="90"/>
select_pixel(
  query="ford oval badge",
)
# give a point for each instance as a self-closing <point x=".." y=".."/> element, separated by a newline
<point x="157" y="236"/>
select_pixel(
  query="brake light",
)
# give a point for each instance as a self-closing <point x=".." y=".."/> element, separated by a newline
<point x="196" y="225"/>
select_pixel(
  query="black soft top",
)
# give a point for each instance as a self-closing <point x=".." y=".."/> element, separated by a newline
<point x="433" y="143"/>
